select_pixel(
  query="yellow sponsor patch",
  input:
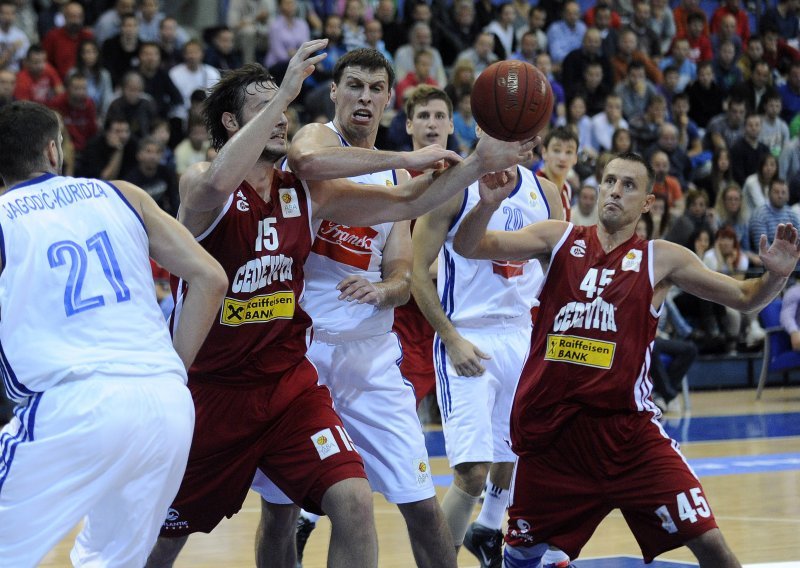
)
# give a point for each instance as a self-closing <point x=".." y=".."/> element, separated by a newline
<point x="258" y="309"/>
<point x="580" y="351"/>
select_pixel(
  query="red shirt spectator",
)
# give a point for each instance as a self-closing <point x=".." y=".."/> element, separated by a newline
<point x="61" y="44"/>
<point x="742" y="19"/>
<point x="681" y="15"/>
<point x="77" y="110"/>
<point x="38" y="81"/>
<point x="423" y="61"/>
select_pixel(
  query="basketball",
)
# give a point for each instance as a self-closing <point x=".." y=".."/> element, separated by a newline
<point x="512" y="100"/>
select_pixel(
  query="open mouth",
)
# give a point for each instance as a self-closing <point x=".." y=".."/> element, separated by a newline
<point x="362" y="115"/>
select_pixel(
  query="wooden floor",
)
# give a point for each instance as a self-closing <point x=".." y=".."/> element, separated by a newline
<point x="759" y="513"/>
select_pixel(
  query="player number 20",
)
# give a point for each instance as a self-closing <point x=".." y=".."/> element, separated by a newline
<point x="698" y="506"/>
<point x="73" y="254"/>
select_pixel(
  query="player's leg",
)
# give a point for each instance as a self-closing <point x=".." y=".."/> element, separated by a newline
<point x="711" y="549"/>
<point x="429" y="533"/>
<point x="354" y="541"/>
<point x="165" y="552"/>
<point x="277" y="521"/>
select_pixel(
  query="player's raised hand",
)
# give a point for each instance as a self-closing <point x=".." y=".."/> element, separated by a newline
<point x="496" y="155"/>
<point x="431" y="157"/>
<point x="494" y="187"/>
<point x="301" y="65"/>
<point x="782" y="255"/>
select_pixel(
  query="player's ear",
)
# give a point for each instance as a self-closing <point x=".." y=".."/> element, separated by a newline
<point x="648" y="202"/>
<point x="408" y="126"/>
<point x="229" y="121"/>
<point x="333" y="91"/>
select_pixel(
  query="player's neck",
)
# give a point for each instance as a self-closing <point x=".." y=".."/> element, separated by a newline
<point x="356" y="139"/>
<point x="612" y="237"/>
<point x="554" y="177"/>
<point x="260" y="178"/>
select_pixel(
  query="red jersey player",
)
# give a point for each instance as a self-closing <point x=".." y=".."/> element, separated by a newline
<point x="583" y="422"/>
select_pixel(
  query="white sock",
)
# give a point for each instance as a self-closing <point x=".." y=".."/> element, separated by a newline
<point x="309" y="516"/>
<point x="495" y="503"/>
<point x="553" y="556"/>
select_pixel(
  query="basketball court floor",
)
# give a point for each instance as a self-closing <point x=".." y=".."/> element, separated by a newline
<point x="746" y="452"/>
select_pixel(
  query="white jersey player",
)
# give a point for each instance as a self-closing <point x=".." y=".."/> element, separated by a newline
<point x="87" y="356"/>
<point x="482" y="318"/>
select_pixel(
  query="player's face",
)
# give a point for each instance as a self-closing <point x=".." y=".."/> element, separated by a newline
<point x="431" y="124"/>
<point x="257" y="95"/>
<point x="560" y="156"/>
<point x="623" y="194"/>
<point x="360" y="97"/>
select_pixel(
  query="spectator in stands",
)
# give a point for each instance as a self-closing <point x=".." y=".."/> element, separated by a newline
<point x="502" y="28"/>
<point x="645" y="126"/>
<point x="88" y="63"/>
<point x="681" y="14"/>
<point x="109" y="23"/>
<point x="135" y="105"/>
<point x="754" y="89"/>
<point x="727" y="33"/>
<point x="662" y="22"/>
<point x="544" y="64"/>
<point x="221" y="52"/>
<point x="790" y="314"/>
<point x="148" y="173"/>
<point x="462" y="78"/>
<point x="756" y="186"/>
<point x="110" y="152"/>
<point x="635" y="91"/>
<point x="420" y="37"/>
<point x="394" y="32"/>
<point x="157" y="82"/>
<point x="14" y="43"/>
<point x="249" y="19"/>
<point x="77" y="112"/>
<point x="121" y="50"/>
<point x="590" y="51"/>
<point x="789" y="160"/>
<point x="607" y="123"/>
<point x="528" y="48"/>
<point x="481" y="54"/>
<point x="726" y="128"/>
<point x="62" y="44"/>
<point x="37" y="81"/>
<point x="460" y="34"/>
<point x="699" y="39"/>
<point x="423" y="61"/>
<point x="666" y="184"/>
<point x="727" y="73"/>
<point x="668" y="378"/>
<point x="585" y="213"/>
<point x="696" y="216"/>
<point x="609" y="32"/>
<point x="150" y="17"/>
<point x="193" y="74"/>
<point x="373" y="34"/>
<point x="660" y="217"/>
<point x="790" y="93"/>
<point x="332" y="30"/>
<point x="721" y="174"/>
<point x="627" y="54"/>
<point x="287" y="32"/>
<point x="732" y="9"/>
<point x="748" y="151"/>
<point x="782" y="16"/>
<point x="162" y="132"/>
<point x="732" y="211"/>
<point x="772" y="213"/>
<point x="774" y="130"/>
<point x="753" y="53"/>
<point x="778" y="53"/>
<point x="566" y="34"/>
<point x="464" y="125"/>
<point x="171" y="43"/>
<point x="8" y="80"/>
<point x="592" y="89"/>
<point x="647" y="40"/>
<point x="353" y="33"/>
<point x="688" y="132"/>
<point x="679" y="59"/>
<point x="705" y="96"/>
<point x="581" y="124"/>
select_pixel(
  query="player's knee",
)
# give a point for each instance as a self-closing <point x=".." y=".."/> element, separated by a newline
<point x="349" y="503"/>
<point x="471" y="476"/>
<point x="523" y="556"/>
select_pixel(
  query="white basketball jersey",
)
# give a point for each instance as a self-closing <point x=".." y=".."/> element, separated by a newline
<point x="340" y="251"/>
<point x="477" y="293"/>
<point x="76" y="291"/>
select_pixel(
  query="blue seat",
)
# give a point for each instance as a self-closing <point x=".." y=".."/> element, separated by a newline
<point x="778" y="354"/>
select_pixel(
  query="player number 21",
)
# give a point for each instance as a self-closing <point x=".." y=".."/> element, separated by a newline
<point x="689" y="511"/>
<point x="72" y="253"/>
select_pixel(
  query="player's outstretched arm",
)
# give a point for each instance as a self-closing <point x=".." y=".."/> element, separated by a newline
<point x="430" y="232"/>
<point x="346" y="202"/>
<point x="174" y="248"/>
<point x="677" y="265"/>
<point x="206" y="186"/>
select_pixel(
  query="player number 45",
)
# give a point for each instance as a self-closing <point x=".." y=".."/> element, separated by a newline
<point x="699" y="506"/>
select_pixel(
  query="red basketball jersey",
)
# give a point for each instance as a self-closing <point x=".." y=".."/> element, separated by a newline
<point x="591" y="346"/>
<point x="262" y="246"/>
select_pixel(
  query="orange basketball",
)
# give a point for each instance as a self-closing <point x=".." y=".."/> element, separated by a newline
<point x="512" y="100"/>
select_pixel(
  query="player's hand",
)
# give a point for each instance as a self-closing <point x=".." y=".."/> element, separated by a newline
<point x="465" y="357"/>
<point x="494" y="187"/>
<point x="496" y="155"/>
<point x="431" y="157"/>
<point x="301" y="65"/>
<point x="358" y="289"/>
<point x="782" y="256"/>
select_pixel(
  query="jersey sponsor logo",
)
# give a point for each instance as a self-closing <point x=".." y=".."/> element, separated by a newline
<point x="258" y="309"/>
<point x="578" y="249"/>
<point x="53" y="198"/>
<point x="290" y="206"/>
<point x="580" y="351"/>
<point x="632" y="261"/>
<point x="422" y="471"/>
<point x="173" y="522"/>
<point x="348" y="245"/>
<point x="325" y="443"/>
<point x="666" y="520"/>
<point x="262" y="272"/>
<point x="241" y="202"/>
<point x="508" y="269"/>
<point x="597" y="314"/>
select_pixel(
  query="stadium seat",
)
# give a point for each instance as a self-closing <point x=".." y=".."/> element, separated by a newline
<point x="778" y="354"/>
